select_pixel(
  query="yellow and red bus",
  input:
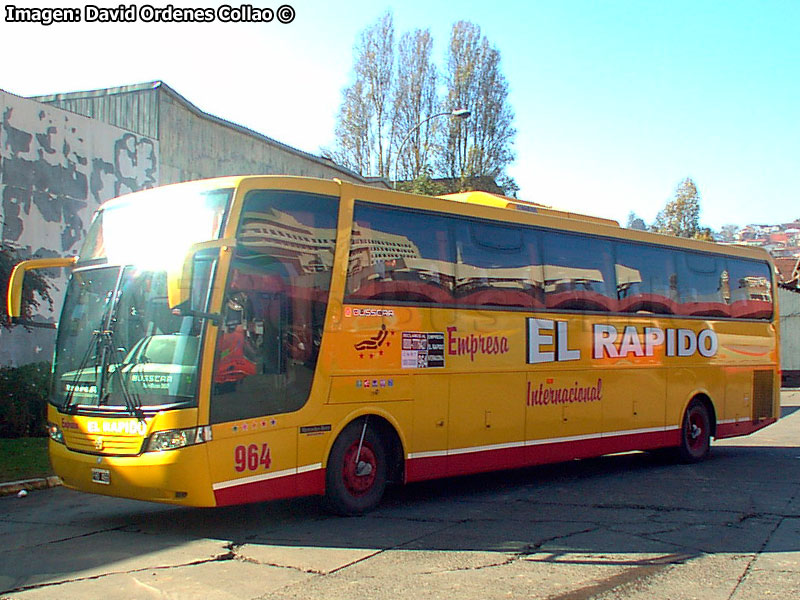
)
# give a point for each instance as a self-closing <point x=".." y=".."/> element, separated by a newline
<point x="252" y="338"/>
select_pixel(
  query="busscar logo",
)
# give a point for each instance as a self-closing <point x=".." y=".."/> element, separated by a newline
<point x="368" y="312"/>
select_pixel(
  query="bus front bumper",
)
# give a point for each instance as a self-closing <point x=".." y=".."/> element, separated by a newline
<point x="174" y="476"/>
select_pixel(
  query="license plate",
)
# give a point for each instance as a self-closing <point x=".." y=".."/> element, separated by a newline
<point x="101" y="476"/>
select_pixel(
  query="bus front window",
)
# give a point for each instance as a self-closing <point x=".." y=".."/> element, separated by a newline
<point x="119" y="346"/>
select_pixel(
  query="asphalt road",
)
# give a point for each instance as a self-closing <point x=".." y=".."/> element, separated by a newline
<point x="631" y="526"/>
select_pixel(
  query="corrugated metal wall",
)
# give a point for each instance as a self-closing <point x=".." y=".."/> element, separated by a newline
<point x="195" y="144"/>
<point x="789" y="303"/>
<point x="131" y="108"/>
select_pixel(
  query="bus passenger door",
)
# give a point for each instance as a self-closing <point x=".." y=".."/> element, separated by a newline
<point x="268" y="342"/>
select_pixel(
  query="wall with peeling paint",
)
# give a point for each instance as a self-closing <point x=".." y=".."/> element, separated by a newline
<point x="56" y="167"/>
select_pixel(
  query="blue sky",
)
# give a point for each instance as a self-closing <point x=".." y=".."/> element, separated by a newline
<point x="615" y="101"/>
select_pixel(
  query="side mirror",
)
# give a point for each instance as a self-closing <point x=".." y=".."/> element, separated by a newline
<point x="14" y="297"/>
<point x="180" y="292"/>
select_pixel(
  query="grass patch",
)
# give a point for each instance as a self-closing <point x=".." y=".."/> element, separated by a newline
<point x="24" y="458"/>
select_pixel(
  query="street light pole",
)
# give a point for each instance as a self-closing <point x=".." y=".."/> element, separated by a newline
<point x="456" y="113"/>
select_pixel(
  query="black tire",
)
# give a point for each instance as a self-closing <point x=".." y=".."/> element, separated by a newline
<point x="695" y="433"/>
<point x="348" y="491"/>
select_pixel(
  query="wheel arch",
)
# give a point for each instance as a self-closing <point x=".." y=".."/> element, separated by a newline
<point x="703" y="397"/>
<point x="390" y="432"/>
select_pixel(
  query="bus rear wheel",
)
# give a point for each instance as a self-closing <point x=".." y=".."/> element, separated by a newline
<point x="695" y="433"/>
<point x="356" y="475"/>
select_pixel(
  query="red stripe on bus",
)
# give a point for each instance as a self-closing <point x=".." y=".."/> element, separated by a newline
<point x="480" y="461"/>
<point x="309" y="483"/>
<point x="727" y="430"/>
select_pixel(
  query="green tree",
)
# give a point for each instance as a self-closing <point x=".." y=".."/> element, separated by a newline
<point x="481" y="145"/>
<point x="423" y="185"/>
<point x="681" y="215"/>
<point x="415" y="102"/>
<point x="636" y="222"/>
<point x="366" y="124"/>
<point x="35" y="287"/>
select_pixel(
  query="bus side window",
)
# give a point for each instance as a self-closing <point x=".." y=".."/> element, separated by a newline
<point x="750" y="287"/>
<point x="399" y="255"/>
<point x="277" y="295"/>
<point x="646" y="279"/>
<point x="578" y="272"/>
<point x="496" y="265"/>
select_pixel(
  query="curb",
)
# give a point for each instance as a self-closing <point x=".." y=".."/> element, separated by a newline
<point x="14" y="487"/>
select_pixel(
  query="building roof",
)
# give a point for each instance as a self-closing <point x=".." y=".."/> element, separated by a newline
<point x="82" y="102"/>
<point x="787" y="269"/>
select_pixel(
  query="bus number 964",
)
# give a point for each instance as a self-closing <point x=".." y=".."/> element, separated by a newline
<point x="251" y="458"/>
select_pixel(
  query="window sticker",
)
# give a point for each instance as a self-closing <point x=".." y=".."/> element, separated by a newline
<point x="422" y="350"/>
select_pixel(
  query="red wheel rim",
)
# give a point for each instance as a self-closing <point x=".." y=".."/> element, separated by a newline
<point x="696" y="434"/>
<point x="356" y="484"/>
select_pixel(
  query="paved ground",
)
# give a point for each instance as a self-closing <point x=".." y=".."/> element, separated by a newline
<point x="629" y="526"/>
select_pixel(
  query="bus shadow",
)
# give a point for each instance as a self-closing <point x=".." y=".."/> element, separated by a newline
<point x="624" y="509"/>
<point x="617" y="505"/>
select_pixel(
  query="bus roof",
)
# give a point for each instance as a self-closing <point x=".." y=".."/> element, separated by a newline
<point x="488" y="199"/>
<point x="523" y="208"/>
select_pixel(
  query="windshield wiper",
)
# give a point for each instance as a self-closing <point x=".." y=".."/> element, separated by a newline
<point x="102" y="343"/>
<point x="110" y="356"/>
<point x="132" y="401"/>
<point x="93" y="345"/>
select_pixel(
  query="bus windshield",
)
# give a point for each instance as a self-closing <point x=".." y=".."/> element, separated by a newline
<point x="119" y="346"/>
<point x="154" y="229"/>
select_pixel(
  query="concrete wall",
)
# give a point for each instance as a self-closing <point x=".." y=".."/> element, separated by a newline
<point x="56" y="168"/>
<point x="789" y="306"/>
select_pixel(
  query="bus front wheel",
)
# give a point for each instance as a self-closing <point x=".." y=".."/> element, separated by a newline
<point x="356" y="475"/>
<point x="695" y="433"/>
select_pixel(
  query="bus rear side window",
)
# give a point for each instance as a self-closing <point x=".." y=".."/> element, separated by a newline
<point x="750" y="284"/>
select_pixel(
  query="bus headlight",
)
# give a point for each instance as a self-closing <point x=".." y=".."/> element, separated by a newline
<point x="173" y="439"/>
<point x="55" y="433"/>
